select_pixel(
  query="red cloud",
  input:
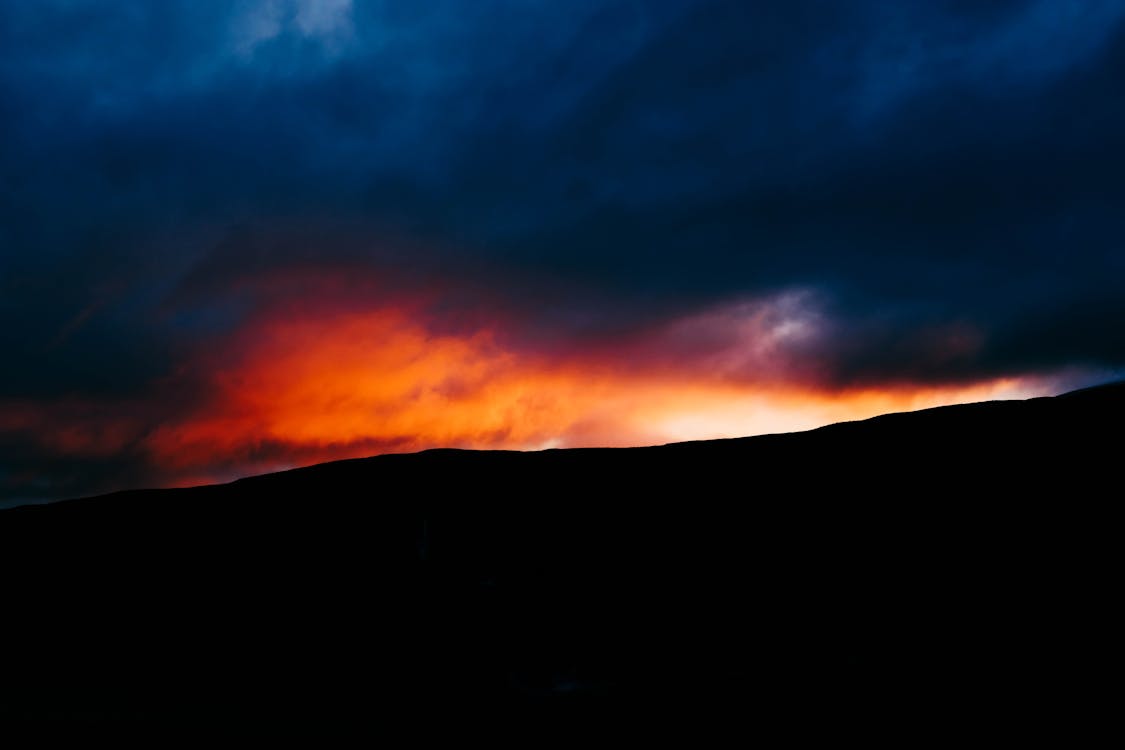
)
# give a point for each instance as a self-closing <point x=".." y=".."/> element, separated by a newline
<point x="340" y="371"/>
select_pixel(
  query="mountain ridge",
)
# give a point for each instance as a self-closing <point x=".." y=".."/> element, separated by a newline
<point x="1113" y="389"/>
<point x="945" y="565"/>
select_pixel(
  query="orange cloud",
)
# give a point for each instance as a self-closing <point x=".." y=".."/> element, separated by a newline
<point x="322" y="372"/>
<point x="295" y="387"/>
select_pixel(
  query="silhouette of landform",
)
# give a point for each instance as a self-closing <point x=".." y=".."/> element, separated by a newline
<point x="931" y="570"/>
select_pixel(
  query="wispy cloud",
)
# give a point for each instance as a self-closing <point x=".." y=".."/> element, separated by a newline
<point x="326" y="22"/>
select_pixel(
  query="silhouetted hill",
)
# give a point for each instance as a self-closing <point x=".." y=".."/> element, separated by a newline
<point x="925" y="571"/>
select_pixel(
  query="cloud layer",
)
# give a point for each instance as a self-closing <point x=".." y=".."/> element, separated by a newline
<point x="831" y="198"/>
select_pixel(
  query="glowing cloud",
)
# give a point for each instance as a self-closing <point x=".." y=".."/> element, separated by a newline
<point x="347" y="369"/>
<point x="293" y="388"/>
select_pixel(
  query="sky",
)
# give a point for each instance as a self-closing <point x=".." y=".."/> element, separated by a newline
<point x="242" y="236"/>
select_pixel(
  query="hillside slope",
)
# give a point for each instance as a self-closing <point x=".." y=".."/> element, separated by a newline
<point x="929" y="569"/>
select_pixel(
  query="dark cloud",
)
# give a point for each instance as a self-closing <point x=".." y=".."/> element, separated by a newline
<point x="942" y="178"/>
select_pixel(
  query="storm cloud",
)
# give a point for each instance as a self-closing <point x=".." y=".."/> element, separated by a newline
<point x="915" y="194"/>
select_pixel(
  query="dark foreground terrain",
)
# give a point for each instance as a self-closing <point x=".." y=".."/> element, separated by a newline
<point x="945" y="572"/>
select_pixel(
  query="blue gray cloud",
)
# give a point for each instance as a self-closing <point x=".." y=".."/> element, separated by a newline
<point x="927" y="172"/>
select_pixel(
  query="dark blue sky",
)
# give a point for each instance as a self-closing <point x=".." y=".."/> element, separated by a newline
<point x="938" y="185"/>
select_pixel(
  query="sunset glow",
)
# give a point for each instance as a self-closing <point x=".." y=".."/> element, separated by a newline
<point x="346" y="380"/>
<point x="290" y="390"/>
